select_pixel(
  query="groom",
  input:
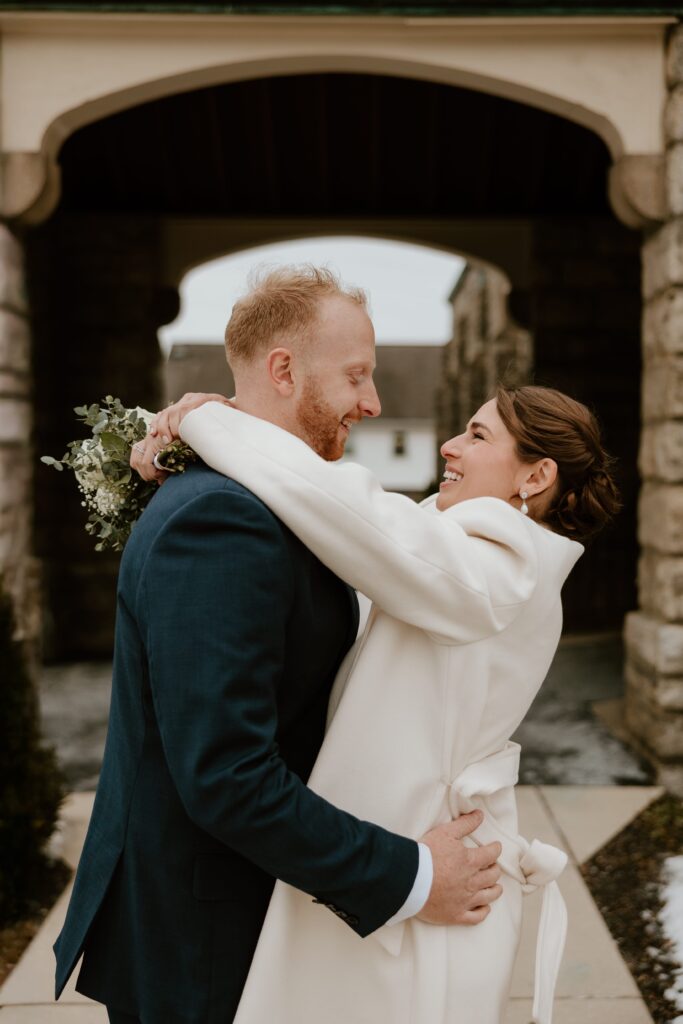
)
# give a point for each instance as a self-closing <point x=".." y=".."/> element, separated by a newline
<point x="228" y="638"/>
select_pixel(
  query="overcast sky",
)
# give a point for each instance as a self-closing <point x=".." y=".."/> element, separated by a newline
<point x="408" y="287"/>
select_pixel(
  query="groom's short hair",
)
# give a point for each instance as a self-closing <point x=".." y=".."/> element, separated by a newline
<point x="281" y="304"/>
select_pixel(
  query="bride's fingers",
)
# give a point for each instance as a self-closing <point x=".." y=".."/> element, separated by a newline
<point x="142" y="459"/>
<point x="167" y="422"/>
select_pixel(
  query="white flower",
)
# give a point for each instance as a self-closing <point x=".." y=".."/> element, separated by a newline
<point x="144" y="415"/>
<point x="107" y="500"/>
<point x="88" y="467"/>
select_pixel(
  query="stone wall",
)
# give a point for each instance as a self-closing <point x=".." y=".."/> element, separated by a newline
<point x="18" y="568"/>
<point x="96" y="305"/>
<point x="654" y="634"/>
<point x="486" y="346"/>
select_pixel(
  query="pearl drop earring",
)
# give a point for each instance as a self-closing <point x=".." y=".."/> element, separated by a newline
<point x="525" y="508"/>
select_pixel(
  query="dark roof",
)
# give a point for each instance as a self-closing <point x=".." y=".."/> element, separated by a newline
<point x="404" y="8"/>
<point x="406" y="376"/>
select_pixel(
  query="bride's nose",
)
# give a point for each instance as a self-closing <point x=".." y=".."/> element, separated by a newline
<point x="450" y="447"/>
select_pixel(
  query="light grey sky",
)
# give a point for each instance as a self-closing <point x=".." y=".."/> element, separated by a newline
<point x="408" y="287"/>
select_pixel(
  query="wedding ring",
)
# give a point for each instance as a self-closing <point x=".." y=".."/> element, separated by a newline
<point x="156" y="464"/>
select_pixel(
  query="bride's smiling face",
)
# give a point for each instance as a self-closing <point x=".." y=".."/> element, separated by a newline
<point x="482" y="462"/>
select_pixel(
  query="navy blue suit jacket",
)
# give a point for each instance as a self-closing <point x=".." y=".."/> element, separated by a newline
<point x="229" y="633"/>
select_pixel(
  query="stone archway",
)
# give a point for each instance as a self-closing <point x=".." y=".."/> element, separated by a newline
<point x="605" y="74"/>
<point x="391" y="167"/>
<point x="616" y="100"/>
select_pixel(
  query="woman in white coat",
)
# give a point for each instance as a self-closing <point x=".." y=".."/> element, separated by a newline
<point x="465" y="622"/>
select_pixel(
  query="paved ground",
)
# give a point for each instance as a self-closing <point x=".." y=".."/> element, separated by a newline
<point x="583" y="786"/>
<point x="563" y="740"/>
<point x="594" y="987"/>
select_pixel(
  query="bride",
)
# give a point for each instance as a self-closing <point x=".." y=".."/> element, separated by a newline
<point x="425" y="703"/>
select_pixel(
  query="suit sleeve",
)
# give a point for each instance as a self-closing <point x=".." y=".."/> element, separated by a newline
<point x="425" y="568"/>
<point x="214" y="598"/>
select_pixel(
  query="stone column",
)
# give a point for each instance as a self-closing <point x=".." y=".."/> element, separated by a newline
<point x="17" y="568"/>
<point x="97" y="301"/>
<point x="654" y="634"/>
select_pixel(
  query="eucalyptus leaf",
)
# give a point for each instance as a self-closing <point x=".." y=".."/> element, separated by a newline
<point x="113" y="441"/>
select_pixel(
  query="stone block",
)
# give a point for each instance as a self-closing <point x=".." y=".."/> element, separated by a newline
<point x="15" y="342"/>
<point x="663" y="258"/>
<point x="12" y="279"/>
<point x="14" y="385"/>
<point x="669" y="694"/>
<point x="671" y="777"/>
<point x="673" y="179"/>
<point x="655" y="644"/>
<point x="659" y="730"/>
<point x="661" y="451"/>
<point x="15" y="421"/>
<point x="660" y="518"/>
<point x="673" y="115"/>
<point x="662" y="389"/>
<point x="674" y="57"/>
<point x="666" y="735"/>
<point x="663" y="324"/>
<point x="660" y="584"/>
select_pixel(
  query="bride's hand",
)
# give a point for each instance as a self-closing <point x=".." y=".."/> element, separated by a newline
<point x="164" y="429"/>
<point x="166" y="424"/>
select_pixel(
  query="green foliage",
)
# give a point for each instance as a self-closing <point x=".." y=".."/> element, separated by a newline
<point x="30" y="781"/>
<point x="114" y="496"/>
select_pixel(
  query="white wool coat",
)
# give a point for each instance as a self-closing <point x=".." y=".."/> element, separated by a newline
<point x="465" y="622"/>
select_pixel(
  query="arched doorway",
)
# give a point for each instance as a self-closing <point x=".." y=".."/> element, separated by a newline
<point x="163" y="185"/>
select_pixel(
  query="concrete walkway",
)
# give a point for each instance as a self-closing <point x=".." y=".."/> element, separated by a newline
<point x="595" y="986"/>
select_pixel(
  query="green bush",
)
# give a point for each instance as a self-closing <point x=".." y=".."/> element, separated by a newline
<point x="30" y="781"/>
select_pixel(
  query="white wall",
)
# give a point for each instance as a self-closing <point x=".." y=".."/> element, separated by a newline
<point x="372" y="444"/>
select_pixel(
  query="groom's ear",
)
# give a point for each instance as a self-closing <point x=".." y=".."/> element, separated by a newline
<point x="279" y="366"/>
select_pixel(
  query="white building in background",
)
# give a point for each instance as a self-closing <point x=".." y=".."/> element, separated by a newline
<point x="399" y="447"/>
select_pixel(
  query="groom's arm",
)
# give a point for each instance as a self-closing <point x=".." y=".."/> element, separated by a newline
<point x="214" y="598"/>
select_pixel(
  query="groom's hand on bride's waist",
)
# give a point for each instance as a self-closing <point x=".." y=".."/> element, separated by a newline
<point x="465" y="877"/>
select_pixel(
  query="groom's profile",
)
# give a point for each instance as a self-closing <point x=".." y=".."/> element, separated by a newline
<point x="229" y="635"/>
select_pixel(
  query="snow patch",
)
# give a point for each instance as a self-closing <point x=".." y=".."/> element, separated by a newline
<point x="671" y="920"/>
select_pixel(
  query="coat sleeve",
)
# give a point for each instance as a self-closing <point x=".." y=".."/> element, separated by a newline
<point x="422" y="567"/>
<point x="214" y="597"/>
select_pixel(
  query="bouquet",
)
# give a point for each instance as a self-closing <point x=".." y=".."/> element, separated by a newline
<point x="113" y="494"/>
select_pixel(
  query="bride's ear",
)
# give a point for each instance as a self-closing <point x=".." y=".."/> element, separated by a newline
<point x="541" y="478"/>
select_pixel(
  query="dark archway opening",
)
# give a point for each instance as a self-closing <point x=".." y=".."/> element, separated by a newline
<point x="313" y="147"/>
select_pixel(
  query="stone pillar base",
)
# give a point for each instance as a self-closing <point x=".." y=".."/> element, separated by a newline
<point x="654" y="694"/>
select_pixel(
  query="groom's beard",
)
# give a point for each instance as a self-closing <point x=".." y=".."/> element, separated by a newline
<point x="320" y="425"/>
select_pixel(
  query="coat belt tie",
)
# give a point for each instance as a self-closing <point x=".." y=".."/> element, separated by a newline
<point x="534" y="865"/>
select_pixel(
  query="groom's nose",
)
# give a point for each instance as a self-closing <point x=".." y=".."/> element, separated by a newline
<point x="370" y="404"/>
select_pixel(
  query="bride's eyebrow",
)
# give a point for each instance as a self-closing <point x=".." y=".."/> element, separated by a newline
<point x="474" y="425"/>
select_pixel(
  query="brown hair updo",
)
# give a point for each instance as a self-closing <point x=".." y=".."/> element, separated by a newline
<point x="548" y="424"/>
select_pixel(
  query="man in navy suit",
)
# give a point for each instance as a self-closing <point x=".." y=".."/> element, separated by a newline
<point x="229" y="634"/>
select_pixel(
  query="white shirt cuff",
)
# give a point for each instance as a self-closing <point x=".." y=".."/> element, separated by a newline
<point x="422" y="886"/>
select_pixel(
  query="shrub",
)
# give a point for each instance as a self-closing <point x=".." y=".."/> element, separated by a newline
<point x="30" y="781"/>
